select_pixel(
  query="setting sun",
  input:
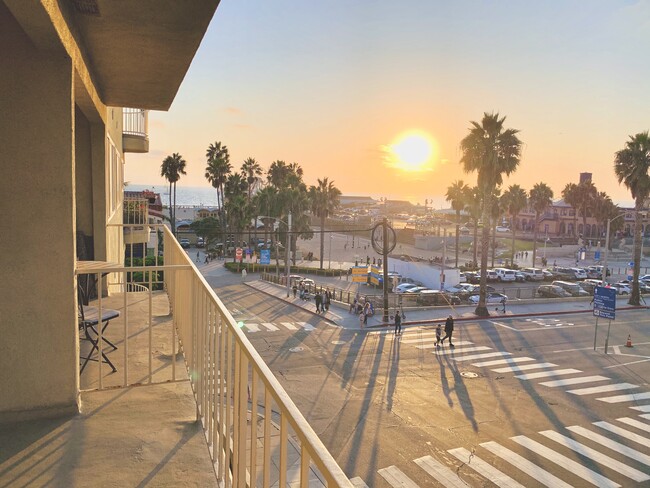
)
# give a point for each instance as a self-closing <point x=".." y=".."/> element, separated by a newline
<point x="412" y="152"/>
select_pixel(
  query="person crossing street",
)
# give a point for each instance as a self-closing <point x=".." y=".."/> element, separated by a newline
<point x="449" y="329"/>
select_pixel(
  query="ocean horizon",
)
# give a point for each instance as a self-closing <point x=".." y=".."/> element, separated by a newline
<point x="207" y="196"/>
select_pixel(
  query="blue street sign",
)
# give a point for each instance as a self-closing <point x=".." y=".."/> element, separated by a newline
<point x="605" y="302"/>
<point x="265" y="256"/>
<point x="597" y="255"/>
<point x="631" y="264"/>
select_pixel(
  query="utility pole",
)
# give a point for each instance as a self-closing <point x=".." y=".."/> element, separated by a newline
<point x="286" y="264"/>
<point x="385" y="269"/>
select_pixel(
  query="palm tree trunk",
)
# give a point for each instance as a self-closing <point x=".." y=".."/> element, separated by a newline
<point x="457" y="236"/>
<point x="494" y="240"/>
<point x="475" y="241"/>
<point x="481" y="309"/>
<point x="535" y="237"/>
<point x="634" y="297"/>
<point x="322" y="239"/>
<point x="174" y="205"/>
<point x="171" y="210"/>
<point x="514" y="233"/>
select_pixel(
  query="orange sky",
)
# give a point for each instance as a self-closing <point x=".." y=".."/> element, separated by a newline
<point x="330" y="85"/>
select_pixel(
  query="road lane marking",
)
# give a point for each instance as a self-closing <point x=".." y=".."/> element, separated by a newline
<point x="531" y="469"/>
<point x="358" y="483"/>
<point x="306" y="326"/>
<point x="603" y="389"/>
<point x="574" y="381"/>
<point x="546" y="374"/>
<point x="643" y="408"/>
<point x="270" y="326"/>
<point x="632" y="397"/>
<point x="472" y="357"/>
<point x="457" y="350"/>
<point x="251" y="327"/>
<point x="497" y="362"/>
<point x="396" y="478"/>
<point x="623" y="433"/>
<point x="484" y="469"/>
<point x="523" y="367"/>
<point x="635" y="423"/>
<point x="611" y="444"/>
<point x="626" y="364"/>
<point x="289" y="325"/>
<point x="596" y="456"/>
<point x="440" y="472"/>
<point x="504" y="325"/>
<point x="563" y="461"/>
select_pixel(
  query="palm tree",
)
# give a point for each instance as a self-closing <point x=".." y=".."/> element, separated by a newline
<point x="456" y="195"/>
<point x="217" y="171"/>
<point x="252" y="171"/>
<point x="581" y="198"/>
<point x="603" y="210"/>
<point x="541" y="197"/>
<point x="514" y="200"/>
<point x="491" y="151"/>
<point x="473" y="208"/>
<point x="172" y="168"/>
<point x="631" y="166"/>
<point x="324" y="200"/>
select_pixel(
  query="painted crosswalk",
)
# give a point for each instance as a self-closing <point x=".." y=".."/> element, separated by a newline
<point x="642" y="408"/>
<point x="257" y="327"/>
<point x="546" y="374"/>
<point x="603" y="389"/>
<point x="544" y="458"/>
<point x="574" y="381"/>
<point x="523" y="367"/>
<point x="632" y="397"/>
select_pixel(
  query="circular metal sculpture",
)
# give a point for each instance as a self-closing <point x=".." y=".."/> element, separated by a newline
<point x="377" y="239"/>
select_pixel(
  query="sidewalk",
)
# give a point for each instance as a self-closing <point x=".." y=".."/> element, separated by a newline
<point x="338" y="314"/>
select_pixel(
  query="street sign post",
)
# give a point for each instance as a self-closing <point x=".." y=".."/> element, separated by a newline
<point x="265" y="256"/>
<point x="605" y="307"/>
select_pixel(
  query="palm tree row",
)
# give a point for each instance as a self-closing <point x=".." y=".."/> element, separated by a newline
<point x="245" y="197"/>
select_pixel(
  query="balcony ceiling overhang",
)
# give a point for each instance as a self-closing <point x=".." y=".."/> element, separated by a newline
<point x="140" y="50"/>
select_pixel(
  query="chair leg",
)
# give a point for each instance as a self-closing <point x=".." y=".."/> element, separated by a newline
<point x="95" y="347"/>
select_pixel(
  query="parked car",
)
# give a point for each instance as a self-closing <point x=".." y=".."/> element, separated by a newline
<point x="492" y="275"/>
<point x="185" y="243"/>
<point x="416" y="289"/>
<point x="532" y="274"/>
<point x="552" y="291"/>
<point x="462" y="278"/>
<point x="579" y="273"/>
<point x="473" y="277"/>
<point x="406" y="280"/>
<point x="621" y="289"/>
<point x="404" y="287"/>
<point x="596" y="272"/>
<point x="574" y="289"/>
<point x="520" y="277"/>
<point x="437" y="297"/>
<point x="643" y="278"/>
<point x="643" y="286"/>
<point x="491" y="298"/>
<point x="561" y="273"/>
<point x="501" y="228"/>
<point x="504" y="274"/>
<point x="548" y="275"/>
<point x="308" y="283"/>
<point x="200" y="242"/>
<point x="588" y="285"/>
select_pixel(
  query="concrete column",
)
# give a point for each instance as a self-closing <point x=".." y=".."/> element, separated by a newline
<point x="38" y="320"/>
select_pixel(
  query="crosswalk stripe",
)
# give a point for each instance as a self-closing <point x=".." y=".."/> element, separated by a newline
<point x="472" y="357"/>
<point x="396" y="478"/>
<point x="289" y="325"/>
<point x="456" y="350"/>
<point x="497" y="362"/>
<point x="645" y="416"/>
<point x="603" y="389"/>
<point x="632" y="397"/>
<point x="523" y="367"/>
<point x="611" y="444"/>
<point x="597" y="456"/>
<point x="306" y="326"/>
<point x="623" y="433"/>
<point x="642" y="408"/>
<point x="563" y="461"/>
<point x="546" y="374"/>
<point x="357" y="482"/>
<point x="532" y="470"/>
<point x="406" y="340"/>
<point x="635" y="423"/>
<point x="252" y="327"/>
<point x="484" y="469"/>
<point x="270" y="326"/>
<point x="440" y="472"/>
<point x="410" y="335"/>
<point x="574" y="381"/>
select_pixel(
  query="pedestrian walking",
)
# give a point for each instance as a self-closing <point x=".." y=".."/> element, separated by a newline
<point x="438" y="335"/>
<point x="295" y="290"/>
<point x="328" y="299"/>
<point x="398" y="323"/>
<point x="361" y="319"/>
<point x="197" y="256"/>
<point x="503" y="302"/>
<point x="366" y="312"/>
<point x="319" y="301"/>
<point x="449" y="329"/>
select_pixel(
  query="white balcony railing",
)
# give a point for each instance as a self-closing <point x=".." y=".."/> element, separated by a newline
<point x="255" y="433"/>
<point x="135" y="130"/>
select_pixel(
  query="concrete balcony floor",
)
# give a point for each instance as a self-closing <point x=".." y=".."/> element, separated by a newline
<point x="134" y="436"/>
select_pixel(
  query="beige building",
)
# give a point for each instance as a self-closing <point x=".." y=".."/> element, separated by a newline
<point x="66" y="70"/>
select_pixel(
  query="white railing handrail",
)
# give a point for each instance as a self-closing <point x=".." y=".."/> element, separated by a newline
<point x="135" y="122"/>
<point x="315" y="448"/>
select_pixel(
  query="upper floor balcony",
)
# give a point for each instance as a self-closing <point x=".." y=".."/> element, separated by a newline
<point x="135" y="131"/>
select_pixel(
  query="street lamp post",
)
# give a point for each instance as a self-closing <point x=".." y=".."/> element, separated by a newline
<point x="330" y="254"/>
<point x="288" y="246"/>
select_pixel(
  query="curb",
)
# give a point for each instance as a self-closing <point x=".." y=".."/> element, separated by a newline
<point x="322" y="317"/>
<point x="527" y="314"/>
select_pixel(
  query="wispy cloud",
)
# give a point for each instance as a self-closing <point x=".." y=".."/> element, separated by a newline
<point x="232" y="111"/>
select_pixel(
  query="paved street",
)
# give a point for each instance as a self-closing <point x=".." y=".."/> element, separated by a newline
<point x="526" y="398"/>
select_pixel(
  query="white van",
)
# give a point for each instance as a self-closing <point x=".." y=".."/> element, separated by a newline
<point x="579" y="273"/>
<point x="533" y="274"/>
<point x="504" y="274"/>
